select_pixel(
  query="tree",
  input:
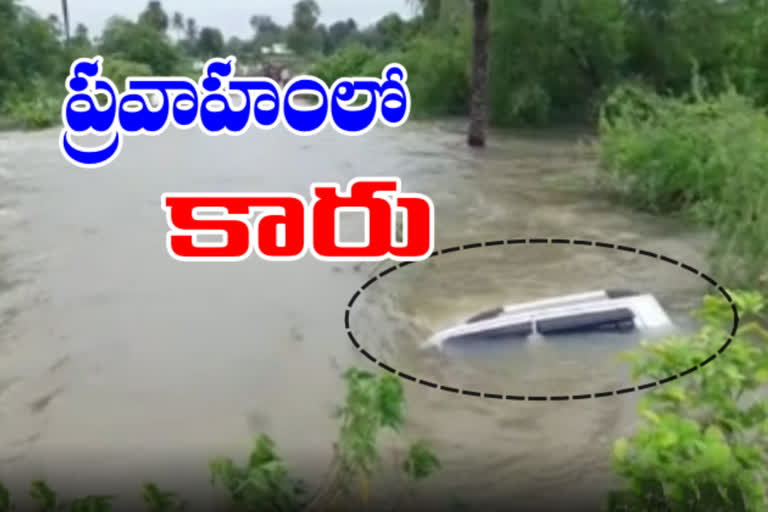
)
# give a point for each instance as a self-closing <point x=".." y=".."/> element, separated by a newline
<point x="478" y="117"/>
<point x="190" y="29"/>
<point x="302" y="35"/>
<point x="139" y="42"/>
<point x="234" y="46"/>
<point x="55" y="24"/>
<point x="266" y="31"/>
<point x="189" y="43"/>
<point x="81" y="39"/>
<point x="154" y="16"/>
<point x="178" y="23"/>
<point x="210" y="43"/>
<point x="65" y="16"/>
<point x="389" y="31"/>
<point x="341" y="32"/>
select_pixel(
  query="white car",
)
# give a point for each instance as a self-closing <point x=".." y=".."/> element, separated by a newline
<point x="598" y="311"/>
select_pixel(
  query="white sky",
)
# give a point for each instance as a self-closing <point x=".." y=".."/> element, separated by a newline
<point x="230" y="16"/>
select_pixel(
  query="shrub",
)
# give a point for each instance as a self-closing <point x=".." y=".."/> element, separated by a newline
<point x="702" y="443"/>
<point x="703" y="156"/>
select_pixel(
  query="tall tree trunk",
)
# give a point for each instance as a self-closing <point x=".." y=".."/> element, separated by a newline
<point x="478" y="116"/>
<point x="65" y="16"/>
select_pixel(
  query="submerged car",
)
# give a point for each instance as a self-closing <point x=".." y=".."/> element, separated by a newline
<point x="597" y="311"/>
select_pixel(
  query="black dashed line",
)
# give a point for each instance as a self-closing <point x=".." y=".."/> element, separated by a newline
<point x="387" y="367"/>
<point x="542" y="398"/>
<point x="689" y="370"/>
<point x="689" y="268"/>
<point x="369" y="356"/>
<point x="388" y="271"/>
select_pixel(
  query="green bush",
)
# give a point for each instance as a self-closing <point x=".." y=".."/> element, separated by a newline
<point x="118" y="70"/>
<point x="438" y="74"/>
<point x="703" y="156"/>
<point x="347" y="62"/>
<point x="36" y="106"/>
<point x="703" y="441"/>
<point x="437" y="71"/>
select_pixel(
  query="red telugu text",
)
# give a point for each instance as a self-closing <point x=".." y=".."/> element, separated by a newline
<point x="282" y="227"/>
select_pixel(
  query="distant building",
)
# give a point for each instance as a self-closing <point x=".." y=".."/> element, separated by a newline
<point x="276" y="49"/>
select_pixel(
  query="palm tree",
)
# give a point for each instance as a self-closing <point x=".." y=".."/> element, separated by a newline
<point x="478" y="116"/>
<point x="65" y="15"/>
<point x="178" y="23"/>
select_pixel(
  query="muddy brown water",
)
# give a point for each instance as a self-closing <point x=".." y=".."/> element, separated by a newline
<point x="120" y="364"/>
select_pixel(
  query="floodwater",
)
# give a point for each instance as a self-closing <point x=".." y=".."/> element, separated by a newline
<point x="120" y="364"/>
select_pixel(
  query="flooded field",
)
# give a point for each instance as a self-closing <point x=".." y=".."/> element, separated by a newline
<point x="116" y="355"/>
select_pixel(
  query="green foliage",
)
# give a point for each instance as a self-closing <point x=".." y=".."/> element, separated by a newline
<point x="702" y="155"/>
<point x="38" y="106"/>
<point x="157" y="500"/>
<point x="537" y="79"/>
<point x="263" y="483"/>
<point x="346" y="63"/>
<point x="139" y="42"/>
<point x="420" y="462"/>
<point x="438" y="77"/>
<point x="118" y="70"/>
<point x="702" y="441"/>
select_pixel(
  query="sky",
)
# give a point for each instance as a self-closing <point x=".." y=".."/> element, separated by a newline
<point x="230" y="16"/>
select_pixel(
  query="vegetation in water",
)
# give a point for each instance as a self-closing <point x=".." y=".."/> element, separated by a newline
<point x="703" y="440"/>
<point x="374" y="407"/>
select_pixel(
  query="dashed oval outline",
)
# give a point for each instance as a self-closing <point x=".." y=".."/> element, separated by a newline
<point x="543" y="398"/>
